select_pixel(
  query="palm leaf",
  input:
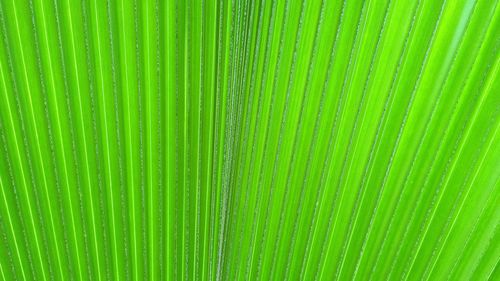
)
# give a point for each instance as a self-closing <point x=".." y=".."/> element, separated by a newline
<point x="249" y="140"/>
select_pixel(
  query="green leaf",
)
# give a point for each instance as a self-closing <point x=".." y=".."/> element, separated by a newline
<point x="249" y="140"/>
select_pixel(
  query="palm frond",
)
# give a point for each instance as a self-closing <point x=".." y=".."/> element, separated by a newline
<point x="249" y="140"/>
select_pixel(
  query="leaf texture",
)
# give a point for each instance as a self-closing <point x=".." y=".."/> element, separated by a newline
<point x="249" y="140"/>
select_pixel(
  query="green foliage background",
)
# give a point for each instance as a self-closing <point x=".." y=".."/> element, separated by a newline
<point x="249" y="140"/>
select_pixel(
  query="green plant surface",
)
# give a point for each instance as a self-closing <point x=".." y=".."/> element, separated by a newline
<point x="249" y="140"/>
